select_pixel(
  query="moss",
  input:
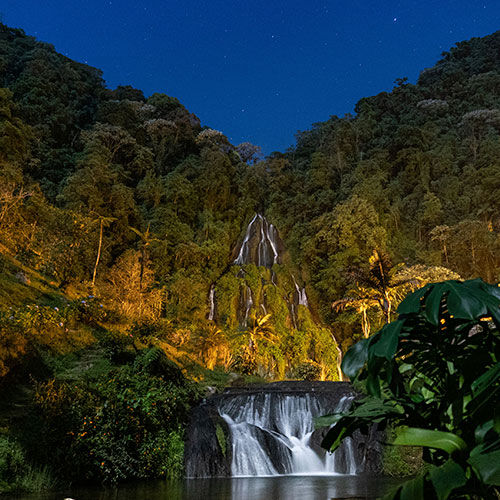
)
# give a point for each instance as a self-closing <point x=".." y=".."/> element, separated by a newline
<point x="221" y="439"/>
<point x="402" y="461"/>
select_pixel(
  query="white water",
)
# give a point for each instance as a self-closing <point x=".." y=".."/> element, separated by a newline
<point x="267" y="248"/>
<point x="211" y="298"/>
<point x="244" y="250"/>
<point x="271" y="435"/>
<point x="301" y="294"/>
<point x="248" y="303"/>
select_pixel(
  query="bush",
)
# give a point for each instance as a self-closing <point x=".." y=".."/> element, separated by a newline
<point x="309" y="370"/>
<point x="16" y="474"/>
<point x="125" y="427"/>
<point x="434" y="375"/>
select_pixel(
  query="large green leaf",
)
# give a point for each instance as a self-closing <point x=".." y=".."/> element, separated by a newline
<point x="345" y="427"/>
<point x="433" y="303"/>
<point x="485" y="389"/>
<point x="355" y="358"/>
<point x="375" y="407"/>
<point x="364" y="413"/>
<point x="413" y="490"/>
<point x="413" y="436"/>
<point x="463" y="304"/>
<point x="413" y="302"/>
<point x="387" y="342"/>
<point x="327" y="420"/>
<point x="446" y="478"/>
<point x="468" y="300"/>
<point x="487" y="466"/>
<point x="486" y="380"/>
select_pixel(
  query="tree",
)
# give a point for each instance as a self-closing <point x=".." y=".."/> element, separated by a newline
<point x="146" y="240"/>
<point x="261" y="337"/>
<point x="103" y="222"/>
<point x="384" y="286"/>
<point x="213" y="347"/>
<point x="135" y="296"/>
<point x="442" y="234"/>
<point x="361" y="299"/>
<point x="249" y="153"/>
<point x="376" y="287"/>
<point x="475" y="125"/>
<point x="434" y="374"/>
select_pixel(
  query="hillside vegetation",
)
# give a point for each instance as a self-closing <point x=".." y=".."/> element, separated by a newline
<point x="119" y="213"/>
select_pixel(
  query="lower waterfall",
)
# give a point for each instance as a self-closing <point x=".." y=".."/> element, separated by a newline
<point x="272" y="434"/>
<point x="268" y="430"/>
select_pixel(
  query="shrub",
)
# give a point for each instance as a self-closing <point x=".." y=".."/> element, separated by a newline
<point x="124" y="427"/>
<point x="308" y="370"/>
<point x="434" y="375"/>
<point x="17" y="474"/>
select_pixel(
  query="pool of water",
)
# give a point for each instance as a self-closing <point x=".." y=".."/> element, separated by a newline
<point x="241" y="488"/>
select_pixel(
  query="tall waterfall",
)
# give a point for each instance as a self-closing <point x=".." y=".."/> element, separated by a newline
<point x="211" y="299"/>
<point x="265" y="252"/>
<point x="272" y="434"/>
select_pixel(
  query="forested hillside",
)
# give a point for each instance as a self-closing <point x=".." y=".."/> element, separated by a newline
<point x="132" y="202"/>
<point x="142" y="254"/>
<point x="129" y="199"/>
<point x="414" y="173"/>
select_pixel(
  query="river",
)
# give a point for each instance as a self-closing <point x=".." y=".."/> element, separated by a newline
<point x="321" y="487"/>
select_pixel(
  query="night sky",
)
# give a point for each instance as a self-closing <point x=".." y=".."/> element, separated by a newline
<point x="258" y="70"/>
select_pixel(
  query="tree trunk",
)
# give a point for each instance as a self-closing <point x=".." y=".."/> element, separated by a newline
<point x="98" y="254"/>
<point x="365" y="325"/>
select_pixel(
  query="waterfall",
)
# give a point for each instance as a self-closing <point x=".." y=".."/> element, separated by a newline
<point x="273" y="433"/>
<point x="211" y="299"/>
<point x="260" y="244"/>
<point x="244" y="249"/>
<point x="247" y="303"/>
<point x="301" y="294"/>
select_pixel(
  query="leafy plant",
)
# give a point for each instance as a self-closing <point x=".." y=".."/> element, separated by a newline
<point x="126" y="424"/>
<point x="434" y="374"/>
<point x="17" y="474"/>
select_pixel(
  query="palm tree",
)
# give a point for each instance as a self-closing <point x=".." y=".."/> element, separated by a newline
<point x="213" y="346"/>
<point x="362" y="299"/>
<point x="379" y="287"/>
<point x="260" y="332"/>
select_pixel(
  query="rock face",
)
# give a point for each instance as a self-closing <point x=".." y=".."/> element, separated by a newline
<point x="268" y="430"/>
<point x="261" y="245"/>
<point x="206" y="453"/>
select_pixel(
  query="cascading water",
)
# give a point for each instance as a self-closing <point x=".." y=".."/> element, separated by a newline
<point x="211" y="299"/>
<point x="265" y="252"/>
<point x="268" y="430"/>
<point x="248" y="302"/>
<point x="301" y="294"/>
<point x="272" y="434"/>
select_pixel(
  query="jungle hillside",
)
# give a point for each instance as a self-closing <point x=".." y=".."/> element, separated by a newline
<point x="146" y="260"/>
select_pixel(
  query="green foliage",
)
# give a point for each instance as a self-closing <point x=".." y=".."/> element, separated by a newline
<point x="221" y="439"/>
<point x="26" y="332"/>
<point x="434" y="374"/>
<point x="105" y="190"/>
<point x="17" y="474"/>
<point x="128" y="426"/>
<point x="307" y="371"/>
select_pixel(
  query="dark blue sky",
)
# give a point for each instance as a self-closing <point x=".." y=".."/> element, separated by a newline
<point x="258" y="70"/>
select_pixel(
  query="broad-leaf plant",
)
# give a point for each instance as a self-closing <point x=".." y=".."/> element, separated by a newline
<point x="434" y="376"/>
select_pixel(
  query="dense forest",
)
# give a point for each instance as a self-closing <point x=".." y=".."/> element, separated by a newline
<point x="122" y="219"/>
